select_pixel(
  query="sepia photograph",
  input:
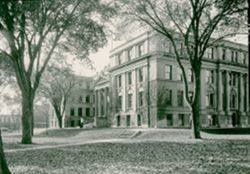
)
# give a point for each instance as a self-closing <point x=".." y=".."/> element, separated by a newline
<point x="124" y="87"/>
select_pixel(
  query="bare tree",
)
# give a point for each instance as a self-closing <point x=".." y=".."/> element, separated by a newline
<point x="191" y="22"/>
<point x="31" y="30"/>
<point x="57" y="86"/>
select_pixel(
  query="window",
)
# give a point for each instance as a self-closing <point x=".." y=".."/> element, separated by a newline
<point x="80" y="99"/>
<point x="118" y="120"/>
<point x="244" y="58"/>
<point x="119" y="102"/>
<point x="170" y="50"/>
<point x="129" y="78"/>
<point x="210" y="99"/>
<point x="190" y="76"/>
<point x="128" y="120"/>
<point x="169" y="120"/>
<point x="140" y="98"/>
<point x="190" y="95"/>
<point x="179" y="74"/>
<point x="209" y="76"/>
<point x="87" y="85"/>
<point x="119" y="81"/>
<point x="141" y="49"/>
<point x="72" y="112"/>
<point x="233" y="100"/>
<point x="140" y="75"/>
<point x="87" y="99"/>
<point x="236" y="57"/>
<point x="169" y="97"/>
<point x="138" y="120"/>
<point x="210" y="53"/>
<point x="181" y="119"/>
<point x="224" y="54"/>
<point x="130" y="53"/>
<point x="87" y="110"/>
<point x="129" y="100"/>
<point x="79" y="112"/>
<point x="168" y="72"/>
<point x="233" y="79"/>
<point x="119" y="58"/>
<point x="180" y="48"/>
<point x="180" y="98"/>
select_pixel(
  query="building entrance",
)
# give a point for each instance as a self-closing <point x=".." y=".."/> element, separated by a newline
<point x="234" y="119"/>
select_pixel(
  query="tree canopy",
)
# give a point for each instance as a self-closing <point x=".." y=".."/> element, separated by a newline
<point x="32" y="30"/>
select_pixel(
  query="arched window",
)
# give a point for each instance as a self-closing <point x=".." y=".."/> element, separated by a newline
<point x="210" y="97"/>
<point x="233" y="99"/>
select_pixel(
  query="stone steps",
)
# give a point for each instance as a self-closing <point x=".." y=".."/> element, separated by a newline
<point x="129" y="134"/>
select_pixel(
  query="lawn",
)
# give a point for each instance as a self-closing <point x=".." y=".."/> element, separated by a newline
<point x="142" y="154"/>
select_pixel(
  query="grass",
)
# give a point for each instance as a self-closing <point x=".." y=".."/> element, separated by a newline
<point x="152" y="151"/>
<point x="152" y="157"/>
<point x="60" y="132"/>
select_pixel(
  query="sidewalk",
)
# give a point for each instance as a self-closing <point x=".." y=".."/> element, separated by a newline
<point x="66" y="145"/>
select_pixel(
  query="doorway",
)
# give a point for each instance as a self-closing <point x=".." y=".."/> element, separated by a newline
<point x="234" y="119"/>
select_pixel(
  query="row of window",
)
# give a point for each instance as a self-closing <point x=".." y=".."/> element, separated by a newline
<point x="169" y="120"/>
<point x="87" y="99"/>
<point x="140" y="77"/>
<point x="140" y="49"/>
<point x="128" y="120"/>
<point x="131" y="53"/>
<point x="8" y="120"/>
<point x="130" y="100"/>
<point x="168" y="75"/>
<point x="168" y="99"/>
<point x="80" y="112"/>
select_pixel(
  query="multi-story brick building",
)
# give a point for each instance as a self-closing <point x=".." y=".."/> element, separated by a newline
<point x="145" y="86"/>
<point x="80" y="104"/>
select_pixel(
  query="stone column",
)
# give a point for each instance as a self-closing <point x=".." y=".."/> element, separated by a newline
<point x="241" y="93"/>
<point x="219" y="90"/>
<point x="228" y="114"/>
<point x="227" y="91"/>
<point x="247" y="93"/>
<point x="96" y="104"/>
<point x="105" y="102"/>
<point x="221" y="117"/>
<point x="99" y="103"/>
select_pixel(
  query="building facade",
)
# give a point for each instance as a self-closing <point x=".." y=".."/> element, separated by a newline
<point x="146" y="88"/>
<point x="11" y="122"/>
<point x="80" y="105"/>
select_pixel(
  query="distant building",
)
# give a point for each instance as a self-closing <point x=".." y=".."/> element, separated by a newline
<point x="80" y="105"/>
<point x="144" y="87"/>
<point x="41" y="115"/>
<point x="11" y="122"/>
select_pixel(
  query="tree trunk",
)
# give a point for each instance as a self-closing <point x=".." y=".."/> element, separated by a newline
<point x="27" y="116"/>
<point x="196" y="106"/>
<point x="3" y="164"/>
<point x="58" y="115"/>
<point x="59" y="122"/>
